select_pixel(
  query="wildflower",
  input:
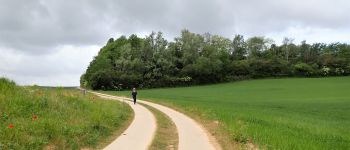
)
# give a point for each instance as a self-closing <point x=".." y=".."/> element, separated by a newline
<point x="35" y="117"/>
<point x="11" y="126"/>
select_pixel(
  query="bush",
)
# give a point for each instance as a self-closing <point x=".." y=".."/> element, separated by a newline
<point x="268" y="68"/>
<point x="326" y="70"/>
<point x="304" y="69"/>
<point x="339" y="71"/>
<point x="347" y="70"/>
<point x="102" y="80"/>
<point x="239" y="68"/>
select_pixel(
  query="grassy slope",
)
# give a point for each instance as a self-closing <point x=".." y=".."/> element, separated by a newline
<point x="65" y="118"/>
<point x="272" y="113"/>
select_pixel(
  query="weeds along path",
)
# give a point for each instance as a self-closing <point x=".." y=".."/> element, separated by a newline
<point x="192" y="136"/>
<point x="140" y="133"/>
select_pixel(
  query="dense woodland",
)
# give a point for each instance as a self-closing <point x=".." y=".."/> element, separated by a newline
<point x="193" y="59"/>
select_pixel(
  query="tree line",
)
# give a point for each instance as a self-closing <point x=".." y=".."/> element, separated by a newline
<point x="193" y="59"/>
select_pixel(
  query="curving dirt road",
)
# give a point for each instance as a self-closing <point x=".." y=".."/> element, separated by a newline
<point x="192" y="136"/>
<point x="140" y="133"/>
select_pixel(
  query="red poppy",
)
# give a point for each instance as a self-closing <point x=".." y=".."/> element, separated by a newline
<point x="35" y="117"/>
<point x="11" y="126"/>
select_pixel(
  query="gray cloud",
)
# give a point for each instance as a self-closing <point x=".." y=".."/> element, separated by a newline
<point x="34" y="34"/>
<point x="38" y="25"/>
<point x="262" y="17"/>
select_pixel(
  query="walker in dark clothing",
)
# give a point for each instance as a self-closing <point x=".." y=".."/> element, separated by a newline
<point x="134" y="96"/>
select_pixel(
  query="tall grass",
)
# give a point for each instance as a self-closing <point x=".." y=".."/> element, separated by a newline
<point x="299" y="113"/>
<point x="55" y="118"/>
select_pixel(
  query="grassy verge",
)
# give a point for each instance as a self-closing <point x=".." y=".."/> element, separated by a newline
<point x="116" y="133"/>
<point x="297" y="113"/>
<point x="166" y="137"/>
<point x="57" y="118"/>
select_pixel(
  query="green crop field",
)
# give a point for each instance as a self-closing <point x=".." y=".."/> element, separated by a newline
<point x="57" y="118"/>
<point x="296" y="113"/>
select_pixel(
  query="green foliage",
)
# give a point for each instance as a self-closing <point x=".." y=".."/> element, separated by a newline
<point x="239" y="50"/>
<point x="304" y="69"/>
<point x="152" y="61"/>
<point x="256" y="45"/>
<point x="56" y="118"/>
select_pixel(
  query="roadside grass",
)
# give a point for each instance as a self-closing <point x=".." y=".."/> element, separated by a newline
<point x="295" y="113"/>
<point x="166" y="137"/>
<point x="57" y="118"/>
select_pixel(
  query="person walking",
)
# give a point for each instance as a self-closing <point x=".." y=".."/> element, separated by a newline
<point x="134" y="93"/>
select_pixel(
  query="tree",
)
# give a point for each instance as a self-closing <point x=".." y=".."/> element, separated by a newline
<point x="287" y="44"/>
<point x="191" y="45"/>
<point x="315" y="51"/>
<point x="192" y="58"/>
<point x="239" y="49"/>
<point x="305" y="54"/>
<point x="256" y="45"/>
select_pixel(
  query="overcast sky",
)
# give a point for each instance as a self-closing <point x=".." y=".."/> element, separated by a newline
<point x="51" y="42"/>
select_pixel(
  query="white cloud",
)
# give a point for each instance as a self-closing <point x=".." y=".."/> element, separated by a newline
<point x="311" y="35"/>
<point x="63" y="67"/>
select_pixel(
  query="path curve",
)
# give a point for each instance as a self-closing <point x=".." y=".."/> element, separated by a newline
<point x="192" y="136"/>
<point x="139" y="135"/>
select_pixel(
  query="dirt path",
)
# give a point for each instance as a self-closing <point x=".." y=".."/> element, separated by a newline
<point x="192" y="136"/>
<point x="140" y="133"/>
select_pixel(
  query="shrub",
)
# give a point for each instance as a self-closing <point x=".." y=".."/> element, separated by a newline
<point x="304" y="69"/>
<point x="339" y="71"/>
<point x="239" y="68"/>
<point x="326" y="70"/>
<point x="347" y="70"/>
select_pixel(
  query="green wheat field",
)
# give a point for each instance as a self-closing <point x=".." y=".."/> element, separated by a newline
<point x="295" y="113"/>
